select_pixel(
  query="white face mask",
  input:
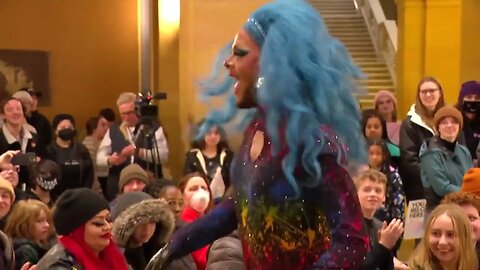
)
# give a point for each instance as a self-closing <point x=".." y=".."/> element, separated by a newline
<point x="200" y="200"/>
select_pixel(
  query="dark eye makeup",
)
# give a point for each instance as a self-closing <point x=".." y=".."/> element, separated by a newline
<point x="240" y="52"/>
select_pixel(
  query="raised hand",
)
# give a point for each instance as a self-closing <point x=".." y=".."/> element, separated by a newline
<point x="389" y="234"/>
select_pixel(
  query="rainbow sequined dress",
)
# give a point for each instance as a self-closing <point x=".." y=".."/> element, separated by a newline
<point x="321" y="229"/>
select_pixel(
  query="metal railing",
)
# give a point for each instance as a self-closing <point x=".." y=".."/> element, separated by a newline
<point x="382" y="31"/>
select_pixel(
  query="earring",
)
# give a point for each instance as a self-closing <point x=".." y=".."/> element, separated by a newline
<point x="260" y="82"/>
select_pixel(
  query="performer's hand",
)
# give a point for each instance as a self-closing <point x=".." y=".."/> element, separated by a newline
<point x="398" y="265"/>
<point x="6" y="159"/>
<point x="389" y="234"/>
<point x="127" y="151"/>
<point x="27" y="266"/>
<point x="160" y="260"/>
<point x="217" y="186"/>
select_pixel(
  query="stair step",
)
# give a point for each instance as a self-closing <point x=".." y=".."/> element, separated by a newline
<point x="360" y="49"/>
<point x="345" y="23"/>
<point x="365" y="35"/>
<point x="344" y="27"/>
<point x="336" y="11"/>
<point x="363" y="53"/>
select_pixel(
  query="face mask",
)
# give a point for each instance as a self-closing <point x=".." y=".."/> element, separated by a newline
<point x="200" y="200"/>
<point x="47" y="183"/>
<point x="67" y="134"/>
<point x="471" y="106"/>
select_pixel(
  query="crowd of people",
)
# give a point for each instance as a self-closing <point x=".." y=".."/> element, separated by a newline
<point x="287" y="199"/>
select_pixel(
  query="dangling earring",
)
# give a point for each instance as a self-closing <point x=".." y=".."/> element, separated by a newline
<point x="260" y="82"/>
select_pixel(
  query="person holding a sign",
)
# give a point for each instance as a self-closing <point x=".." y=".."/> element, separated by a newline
<point x="443" y="161"/>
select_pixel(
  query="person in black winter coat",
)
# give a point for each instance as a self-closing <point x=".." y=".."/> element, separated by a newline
<point x="469" y="105"/>
<point x="210" y="153"/>
<point x="136" y="217"/>
<point x="417" y="127"/>
<point x="73" y="158"/>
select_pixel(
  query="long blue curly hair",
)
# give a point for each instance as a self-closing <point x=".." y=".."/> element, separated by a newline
<point x="308" y="80"/>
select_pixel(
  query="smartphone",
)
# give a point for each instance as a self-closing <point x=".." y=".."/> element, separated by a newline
<point x="24" y="159"/>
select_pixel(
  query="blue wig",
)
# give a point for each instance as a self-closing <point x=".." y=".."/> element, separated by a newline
<point x="307" y="81"/>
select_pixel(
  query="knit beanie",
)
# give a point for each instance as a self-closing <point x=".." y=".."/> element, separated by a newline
<point x="469" y="88"/>
<point x="5" y="184"/>
<point x="130" y="172"/>
<point x="22" y="96"/>
<point x="60" y="117"/>
<point x="127" y="199"/>
<point x="471" y="181"/>
<point x="448" y="111"/>
<point x="384" y="93"/>
<point x="75" y="207"/>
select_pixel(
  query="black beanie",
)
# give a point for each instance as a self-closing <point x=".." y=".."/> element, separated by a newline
<point x="60" y="117"/>
<point x="75" y="207"/>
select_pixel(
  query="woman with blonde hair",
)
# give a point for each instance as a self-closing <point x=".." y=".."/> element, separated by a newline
<point x="29" y="227"/>
<point x="447" y="243"/>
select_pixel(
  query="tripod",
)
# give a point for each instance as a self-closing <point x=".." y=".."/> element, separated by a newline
<point x="145" y="137"/>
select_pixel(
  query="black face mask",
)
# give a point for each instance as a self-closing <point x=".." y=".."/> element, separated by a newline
<point x="67" y="134"/>
<point x="47" y="183"/>
<point x="471" y="106"/>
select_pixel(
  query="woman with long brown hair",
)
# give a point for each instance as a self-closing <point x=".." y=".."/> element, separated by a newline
<point x="418" y="126"/>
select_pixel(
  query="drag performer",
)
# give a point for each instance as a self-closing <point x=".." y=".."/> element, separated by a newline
<point x="292" y="199"/>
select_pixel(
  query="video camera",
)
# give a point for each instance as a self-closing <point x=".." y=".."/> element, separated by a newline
<point x="144" y="106"/>
<point x="147" y="112"/>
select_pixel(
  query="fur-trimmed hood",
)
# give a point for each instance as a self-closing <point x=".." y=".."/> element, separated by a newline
<point x="147" y="211"/>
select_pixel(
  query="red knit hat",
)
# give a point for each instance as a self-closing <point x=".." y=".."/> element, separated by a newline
<point x="471" y="181"/>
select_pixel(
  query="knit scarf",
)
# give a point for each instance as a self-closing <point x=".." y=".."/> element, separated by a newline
<point x="109" y="258"/>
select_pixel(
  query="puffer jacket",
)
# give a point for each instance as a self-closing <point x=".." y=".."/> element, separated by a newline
<point x="413" y="133"/>
<point x="138" y="213"/>
<point x="58" y="258"/>
<point x="226" y="253"/>
<point x="442" y="169"/>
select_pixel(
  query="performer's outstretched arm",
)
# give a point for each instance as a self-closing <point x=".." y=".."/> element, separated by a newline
<point x="218" y="223"/>
<point x="350" y="241"/>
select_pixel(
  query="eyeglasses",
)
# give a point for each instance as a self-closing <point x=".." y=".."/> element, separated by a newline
<point x="428" y="91"/>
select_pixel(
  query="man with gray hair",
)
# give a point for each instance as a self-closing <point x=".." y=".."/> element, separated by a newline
<point x="119" y="147"/>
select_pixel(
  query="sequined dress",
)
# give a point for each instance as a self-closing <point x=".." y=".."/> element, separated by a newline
<point x="321" y="229"/>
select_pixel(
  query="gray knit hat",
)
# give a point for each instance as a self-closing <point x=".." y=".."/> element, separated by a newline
<point x="147" y="211"/>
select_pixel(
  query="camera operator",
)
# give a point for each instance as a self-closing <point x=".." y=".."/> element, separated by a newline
<point x="118" y="148"/>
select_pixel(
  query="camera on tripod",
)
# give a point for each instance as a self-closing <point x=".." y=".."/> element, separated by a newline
<point x="144" y="101"/>
<point x="144" y="133"/>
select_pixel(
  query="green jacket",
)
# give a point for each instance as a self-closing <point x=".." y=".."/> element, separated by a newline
<point x="442" y="169"/>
